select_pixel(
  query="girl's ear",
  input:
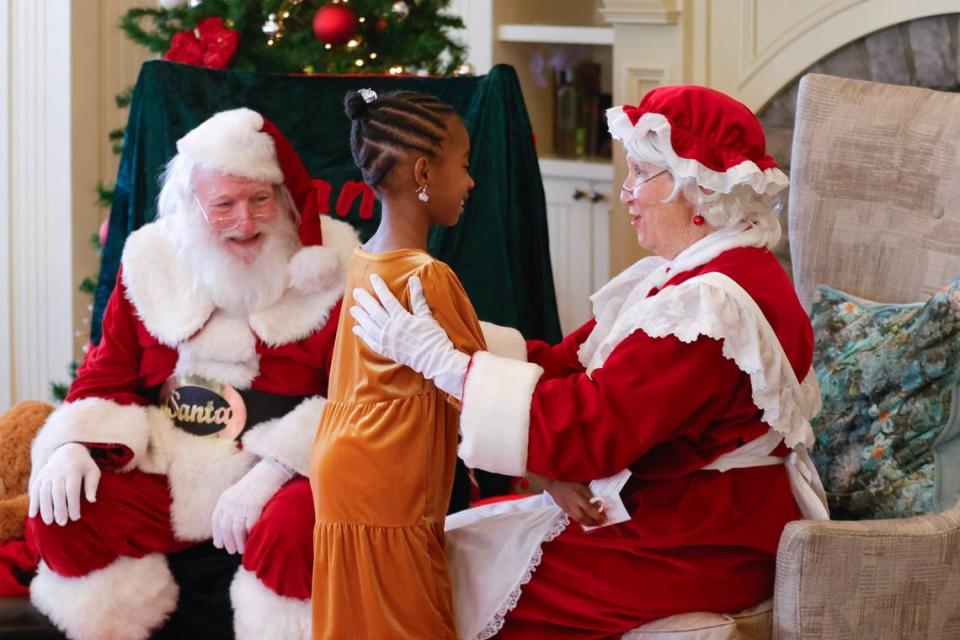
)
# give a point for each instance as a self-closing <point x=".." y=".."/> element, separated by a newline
<point x="421" y="171"/>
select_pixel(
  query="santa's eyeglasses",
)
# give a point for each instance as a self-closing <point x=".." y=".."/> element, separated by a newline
<point x="261" y="207"/>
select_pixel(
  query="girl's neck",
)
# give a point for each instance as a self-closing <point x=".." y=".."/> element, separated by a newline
<point x="402" y="226"/>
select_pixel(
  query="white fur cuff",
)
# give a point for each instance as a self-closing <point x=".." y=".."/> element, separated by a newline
<point x="93" y="420"/>
<point x="495" y="417"/>
<point x="259" y="613"/>
<point x="288" y="439"/>
<point x="504" y="341"/>
<point x="126" y="600"/>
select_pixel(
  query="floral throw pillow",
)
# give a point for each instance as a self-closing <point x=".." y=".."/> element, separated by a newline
<point x="888" y="435"/>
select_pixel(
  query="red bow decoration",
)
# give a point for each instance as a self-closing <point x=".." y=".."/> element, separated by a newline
<point x="211" y="44"/>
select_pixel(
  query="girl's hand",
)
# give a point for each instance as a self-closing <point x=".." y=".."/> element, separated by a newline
<point x="575" y="498"/>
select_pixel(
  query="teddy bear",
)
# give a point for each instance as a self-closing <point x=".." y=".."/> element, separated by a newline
<point x="18" y="426"/>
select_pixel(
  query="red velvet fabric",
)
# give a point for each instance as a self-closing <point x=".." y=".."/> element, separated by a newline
<point x="698" y="540"/>
<point x="130" y="518"/>
<point x="280" y="546"/>
<point x="18" y="565"/>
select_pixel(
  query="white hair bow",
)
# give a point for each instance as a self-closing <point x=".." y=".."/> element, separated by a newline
<point x="368" y="95"/>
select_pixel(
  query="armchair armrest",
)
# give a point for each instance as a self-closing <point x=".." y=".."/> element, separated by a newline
<point x="882" y="579"/>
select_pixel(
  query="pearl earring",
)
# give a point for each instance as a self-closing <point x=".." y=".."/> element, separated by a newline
<point x="422" y="194"/>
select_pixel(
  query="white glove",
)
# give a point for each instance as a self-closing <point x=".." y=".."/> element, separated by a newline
<point x="414" y="340"/>
<point x="55" y="488"/>
<point x="239" y="507"/>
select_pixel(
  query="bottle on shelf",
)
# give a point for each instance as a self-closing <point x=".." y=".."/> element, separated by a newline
<point x="568" y="117"/>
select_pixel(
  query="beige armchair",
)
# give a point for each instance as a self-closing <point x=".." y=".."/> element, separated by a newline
<point x="874" y="211"/>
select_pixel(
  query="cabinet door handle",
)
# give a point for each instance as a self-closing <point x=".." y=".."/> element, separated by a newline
<point x="579" y="195"/>
<point x="596" y="197"/>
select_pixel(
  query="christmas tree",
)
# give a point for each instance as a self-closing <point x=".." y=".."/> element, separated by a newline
<point x="302" y="36"/>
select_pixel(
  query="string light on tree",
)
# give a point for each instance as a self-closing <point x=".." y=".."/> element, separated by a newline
<point x="395" y="71"/>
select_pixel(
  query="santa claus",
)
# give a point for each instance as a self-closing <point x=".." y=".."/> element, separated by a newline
<point x="193" y="418"/>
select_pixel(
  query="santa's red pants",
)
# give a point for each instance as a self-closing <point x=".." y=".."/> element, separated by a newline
<point x="131" y="518"/>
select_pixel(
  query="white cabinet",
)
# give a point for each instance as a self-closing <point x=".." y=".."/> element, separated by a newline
<point x="578" y="219"/>
<point x="533" y="35"/>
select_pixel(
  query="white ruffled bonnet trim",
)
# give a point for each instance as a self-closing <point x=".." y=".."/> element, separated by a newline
<point x="769" y="181"/>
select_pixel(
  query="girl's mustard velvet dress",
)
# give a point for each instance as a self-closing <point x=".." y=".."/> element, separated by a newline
<point x="382" y="471"/>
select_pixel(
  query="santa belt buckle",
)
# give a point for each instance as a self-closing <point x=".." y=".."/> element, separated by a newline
<point x="203" y="407"/>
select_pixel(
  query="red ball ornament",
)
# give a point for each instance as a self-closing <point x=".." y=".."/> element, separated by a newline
<point x="335" y="24"/>
<point x="381" y="25"/>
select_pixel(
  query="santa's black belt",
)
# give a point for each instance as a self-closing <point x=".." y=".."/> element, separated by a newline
<point x="204" y="408"/>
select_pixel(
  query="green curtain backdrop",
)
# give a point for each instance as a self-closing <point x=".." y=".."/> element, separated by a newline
<point x="499" y="249"/>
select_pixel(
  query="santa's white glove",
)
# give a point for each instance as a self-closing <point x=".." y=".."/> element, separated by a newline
<point x="415" y="340"/>
<point x="55" y="487"/>
<point x="239" y="507"/>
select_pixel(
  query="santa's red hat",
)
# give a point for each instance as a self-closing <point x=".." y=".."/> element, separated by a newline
<point x="701" y="134"/>
<point x="241" y="142"/>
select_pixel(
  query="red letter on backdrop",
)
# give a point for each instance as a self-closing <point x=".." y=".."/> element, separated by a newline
<point x="348" y="194"/>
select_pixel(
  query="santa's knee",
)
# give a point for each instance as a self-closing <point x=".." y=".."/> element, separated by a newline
<point x="271" y="591"/>
<point x="279" y="550"/>
<point x="130" y="517"/>
<point x="79" y="546"/>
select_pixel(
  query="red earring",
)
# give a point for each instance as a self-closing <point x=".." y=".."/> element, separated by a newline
<point x="698" y="220"/>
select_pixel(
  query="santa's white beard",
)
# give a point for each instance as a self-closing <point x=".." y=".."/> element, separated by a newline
<point x="232" y="284"/>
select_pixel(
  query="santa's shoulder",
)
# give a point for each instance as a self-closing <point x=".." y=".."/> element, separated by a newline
<point x="159" y="285"/>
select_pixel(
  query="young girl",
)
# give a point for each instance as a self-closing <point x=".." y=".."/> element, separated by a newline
<point x="384" y="455"/>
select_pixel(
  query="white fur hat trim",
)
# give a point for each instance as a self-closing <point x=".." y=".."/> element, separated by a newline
<point x="232" y="142"/>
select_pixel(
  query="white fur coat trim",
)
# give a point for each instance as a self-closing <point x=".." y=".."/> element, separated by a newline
<point x="339" y="235"/>
<point x="126" y="600"/>
<point x="504" y="341"/>
<point x="317" y="279"/>
<point x="225" y="350"/>
<point x="93" y="420"/>
<point x="260" y="613"/>
<point x="160" y="286"/>
<point x="295" y="315"/>
<point x="495" y="415"/>
<point x="199" y="470"/>
<point x="288" y="439"/>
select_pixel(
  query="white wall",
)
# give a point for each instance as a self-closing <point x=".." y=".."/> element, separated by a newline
<point x="6" y="361"/>
<point x="477" y="16"/>
<point x="61" y="64"/>
<point x="35" y="205"/>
